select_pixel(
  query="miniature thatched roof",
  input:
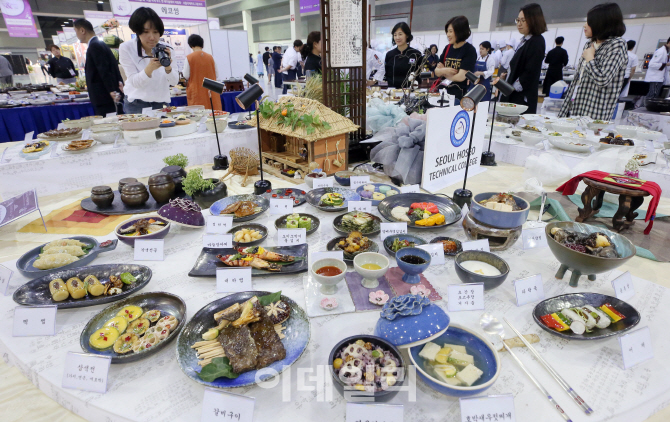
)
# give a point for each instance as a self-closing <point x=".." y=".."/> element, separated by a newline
<point x="338" y="124"/>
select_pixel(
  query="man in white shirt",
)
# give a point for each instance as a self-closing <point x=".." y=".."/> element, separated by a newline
<point x="656" y="70"/>
<point x="289" y="63"/>
<point x="374" y="63"/>
<point x="633" y="61"/>
<point x="507" y="56"/>
<point x="497" y="54"/>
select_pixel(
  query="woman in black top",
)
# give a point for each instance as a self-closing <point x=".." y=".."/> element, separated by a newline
<point x="526" y="65"/>
<point x="458" y="58"/>
<point x="311" y="52"/>
<point x="403" y="59"/>
<point x="432" y="59"/>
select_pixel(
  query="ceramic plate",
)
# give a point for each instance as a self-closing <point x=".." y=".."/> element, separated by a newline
<point x="72" y="137"/>
<point x="25" y="263"/>
<point x="297" y="337"/>
<point x="459" y="247"/>
<point x="555" y="304"/>
<point x="207" y="262"/>
<point x="250" y="226"/>
<point x="234" y="125"/>
<point x="332" y="246"/>
<point x="280" y="223"/>
<point x="35" y="155"/>
<point x="79" y="151"/>
<point x="451" y="211"/>
<point x="570" y="144"/>
<point x="298" y="195"/>
<point x="314" y="198"/>
<point x="377" y="186"/>
<point x="511" y="135"/>
<point x="388" y="242"/>
<point x="36" y="292"/>
<point x="221" y="204"/>
<point x="337" y="225"/>
<point x="166" y="303"/>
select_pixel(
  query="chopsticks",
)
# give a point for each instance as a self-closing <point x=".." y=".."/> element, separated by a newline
<point x="572" y="393"/>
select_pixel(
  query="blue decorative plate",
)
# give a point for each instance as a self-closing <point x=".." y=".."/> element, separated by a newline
<point x="297" y="337"/>
<point x="221" y="204"/>
<point x="314" y="198"/>
<point x="297" y="195"/>
<point x="378" y="186"/>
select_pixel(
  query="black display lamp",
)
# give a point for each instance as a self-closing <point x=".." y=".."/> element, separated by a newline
<point x="220" y="161"/>
<point x="469" y="103"/>
<point x="252" y="81"/>
<point x="245" y="100"/>
<point x="489" y="158"/>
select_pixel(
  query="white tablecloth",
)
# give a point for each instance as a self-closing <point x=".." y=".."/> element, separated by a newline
<point x="648" y="119"/>
<point x="105" y="164"/>
<point x="155" y="389"/>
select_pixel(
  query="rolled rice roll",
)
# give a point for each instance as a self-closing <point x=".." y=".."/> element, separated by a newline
<point x="585" y="314"/>
<point x="305" y="223"/>
<point x="58" y="290"/>
<point x="602" y="321"/>
<point x="76" y="288"/>
<point x="95" y="287"/>
<point x="292" y="224"/>
<point x="578" y="325"/>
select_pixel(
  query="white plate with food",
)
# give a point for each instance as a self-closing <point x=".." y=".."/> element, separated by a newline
<point x="570" y="144"/>
<point x="509" y="109"/>
<point x="514" y="134"/>
<point x="77" y="147"/>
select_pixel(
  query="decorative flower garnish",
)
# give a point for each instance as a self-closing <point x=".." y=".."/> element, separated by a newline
<point x="185" y="204"/>
<point x="404" y="305"/>
<point x="378" y="297"/>
<point x="420" y="289"/>
<point x="329" y="303"/>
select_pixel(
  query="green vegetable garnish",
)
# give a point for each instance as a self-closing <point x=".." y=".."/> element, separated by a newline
<point x="268" y="299"/>
<point x="219" y="367"/>
<point x="376" y="354"/>
<point x="127" y="278"/>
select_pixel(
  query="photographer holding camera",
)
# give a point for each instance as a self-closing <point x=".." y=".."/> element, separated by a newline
<point x="146" y="63"/>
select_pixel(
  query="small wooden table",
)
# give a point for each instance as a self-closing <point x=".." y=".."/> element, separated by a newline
<point x="629" y="201"/>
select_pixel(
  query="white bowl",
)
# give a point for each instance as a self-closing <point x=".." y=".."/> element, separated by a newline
<point x="598" y="126"/>
<point x="532" y="117"/>
<point x="500" y="126"/>
<point x="569" y="143"/>
<point x="531" y="139"/>
<point x="329" y="283"/>
<point x="105" y="127"/>
<point x="82" y="123"/>
<point x="627" y="131"/>
<point x="563" y="126"/>
<point x="509" y="109"/>
<point x="105" y="137"/>
<point x="647" y="134"/>
<point x="221" y="124"/>
<point x="370" y="276"/>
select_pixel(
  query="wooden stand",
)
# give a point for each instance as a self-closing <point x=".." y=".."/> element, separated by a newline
<point x="629" y="201"/>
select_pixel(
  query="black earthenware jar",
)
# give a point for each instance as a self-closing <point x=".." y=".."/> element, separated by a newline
<point x="125" y="181"/>
<point x="102" y="196"/>
<point x="134" y="194"/>
<point x="178" y="175"/>
<point x="206" y="198"/>
<point x="161" y="187"/>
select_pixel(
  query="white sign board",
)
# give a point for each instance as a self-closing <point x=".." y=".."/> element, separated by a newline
<point x="346" y="33"/>
<point x="447" y="139"/>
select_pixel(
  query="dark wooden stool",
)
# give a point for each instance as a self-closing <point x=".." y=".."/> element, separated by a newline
<point x="234" y="86"/>
<point x="629" y="201"/>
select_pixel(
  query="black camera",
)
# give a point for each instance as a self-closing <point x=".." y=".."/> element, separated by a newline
<point x="160" y="53"/>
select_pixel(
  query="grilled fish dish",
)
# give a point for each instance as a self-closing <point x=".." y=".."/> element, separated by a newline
<point x="239" y="260"/>
<point x="262" y="253"/>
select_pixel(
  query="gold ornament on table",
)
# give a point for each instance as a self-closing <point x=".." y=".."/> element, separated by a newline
<point x="243" y="162"/>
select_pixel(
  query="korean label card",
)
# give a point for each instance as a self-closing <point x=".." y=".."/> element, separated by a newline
<point x="357" y="181"/>
<point x="436" y="251"/>
<point x="534" y="238"/>
<point x="288" y="237"/>
<point x="86" y="372"/>
<point x="5" y="276"/>
<point x="217" y="241"/>
<point x="233" y="280"/>
<point x="477" y="245"/>
<point x="34" y="321"/>
<point x="465" y="297"/>
<point x="364" y="412"/>
<point x="410" y="189"/>
<point x="636" y="347"/>
<point x="220" y="406"/>
<point x="488" y="408"/>
<point x="149" y="250"/>
<point x="365" y="206"/>
<point x="323" y="182"/>
<point x="623" y="286"/>
<point x="218" y="224"/>
<point x="389" y="229"/>
<point x="529" y="289"/>
<point x="281" y="206"/>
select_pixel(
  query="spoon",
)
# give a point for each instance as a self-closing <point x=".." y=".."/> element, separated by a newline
<point x="493" y="327"/>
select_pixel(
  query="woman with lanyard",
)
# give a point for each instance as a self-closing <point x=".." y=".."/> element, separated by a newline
<point x="526" y="64"/>
<point x="601" y="69"/>
<point x="403" y="59"/>
<point x="484" y="68"/>
<point x="458" y="58"/>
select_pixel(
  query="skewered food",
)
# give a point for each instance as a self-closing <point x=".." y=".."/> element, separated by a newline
<point x="582" y="319"/>
<point x="241" y="260"/>
<point x="262" y="253"/>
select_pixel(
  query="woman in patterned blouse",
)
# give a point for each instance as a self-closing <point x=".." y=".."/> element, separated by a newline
<point x="601" y="69"/>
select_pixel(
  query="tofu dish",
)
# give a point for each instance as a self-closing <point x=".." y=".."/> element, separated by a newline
<point x="450" y="364"/>
<point x="501" y="202"/>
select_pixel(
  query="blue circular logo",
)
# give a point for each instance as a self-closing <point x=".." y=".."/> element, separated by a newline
<point x="460" y="128"/>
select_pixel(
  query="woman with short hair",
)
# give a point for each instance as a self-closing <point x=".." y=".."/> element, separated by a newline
<point x="526" y="64"/>
<point x="601" y="69"/>
<point x="432" y="59"/>
<point x="198" y="66"/>
<point x="403" y="59"/>
<point x="458" y="58"/>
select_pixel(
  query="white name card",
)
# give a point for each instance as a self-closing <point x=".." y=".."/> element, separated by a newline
<point x="465" y="297"/>
<point x="112" y="114"/>
<point x="636" y="347"/>
<point x="218" y="223"/>
<point x="649" y="146"/>
<point x="529" y="289"/>
<point x="477" y="245"/>
<point x="327" y="254"/>
<point x="365" y="206"/>
<point x="233" y="280"/>
<point x="281" y="206"/>
<point x="220" y="406"/>
<point x="5" y="276"/>
<point x="410" y="189"/>
<point x="357" y="181"/>
<point x="217" y="241"/>
<point x="149" y="250"/>
<point x="85" y="134"/>
<point x="545" y="143"/>
<point x="323" y="182"/>
<point x="534" y="238"/>
<point x="363" y="412"/>
<point x="54" y="150"/>
<point x="436" y="251"/>
<point x="86" y="372"/>
<point x="389" y="229"/>
<point x="488" y="408"/>
<point x="288" y="237"/>
<point x="623" y="286"/>
<point x="28" y="137"/>
<point x="148" y="111"/>
<point x="116" y="140"/>
<point x="32" y="321"/>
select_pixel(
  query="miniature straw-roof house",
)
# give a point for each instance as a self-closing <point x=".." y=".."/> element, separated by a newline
<point x="285" y="149"/>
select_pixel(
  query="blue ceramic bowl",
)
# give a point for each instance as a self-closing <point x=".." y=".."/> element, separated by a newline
<point x="412" y="330"/>
<point x="490" y="281"/>
<point x="486" y="359"/>
<point x="343" y="177"/>
<point x="130" y="240"/>
<point x="349" y="392"/>
<point x="412" y="271"/>
<point x="501" y="219"/>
